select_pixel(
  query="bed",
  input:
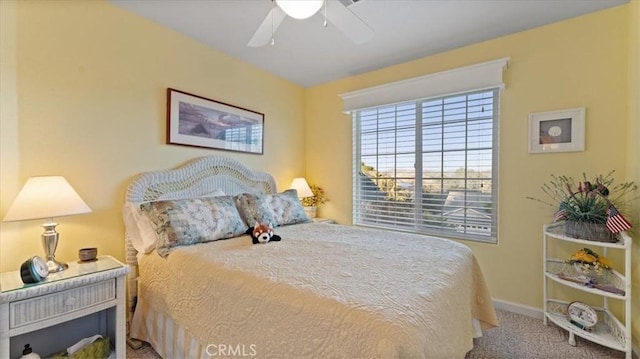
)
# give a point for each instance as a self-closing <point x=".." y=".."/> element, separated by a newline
<point x="324" y="290"/>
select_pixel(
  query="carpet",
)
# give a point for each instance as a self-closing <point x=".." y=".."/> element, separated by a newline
<point x="523" y="337"/>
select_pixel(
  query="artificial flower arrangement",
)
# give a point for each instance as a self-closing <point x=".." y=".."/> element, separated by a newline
<point x="588" y="260"/>
<point x="588" y="202"/>
<point x="591" y="265"/>
<point x="318" y="198"/>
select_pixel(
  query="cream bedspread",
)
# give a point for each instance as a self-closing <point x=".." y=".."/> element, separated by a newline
<point x="325" y="290"/>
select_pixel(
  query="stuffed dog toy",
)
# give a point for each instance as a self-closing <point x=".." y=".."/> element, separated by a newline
<point x="261" y="233"/>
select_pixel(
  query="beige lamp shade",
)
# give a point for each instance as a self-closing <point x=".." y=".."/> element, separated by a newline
<point x="300" y="184"/>
<point x="46" y="197"/>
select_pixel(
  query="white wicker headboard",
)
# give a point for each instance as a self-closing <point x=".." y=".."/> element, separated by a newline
<point x="196" y="178"/>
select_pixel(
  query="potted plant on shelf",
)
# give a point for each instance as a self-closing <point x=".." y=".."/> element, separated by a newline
<point x="589" y="208"/>
<point x="312" y="203"/>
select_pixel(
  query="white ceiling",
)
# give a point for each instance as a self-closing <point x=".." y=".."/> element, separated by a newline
<point x="308" y="54"/>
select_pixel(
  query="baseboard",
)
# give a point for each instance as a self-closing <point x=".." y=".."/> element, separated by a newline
<point x="518" y="308"/>
<point x="538" y="314"/>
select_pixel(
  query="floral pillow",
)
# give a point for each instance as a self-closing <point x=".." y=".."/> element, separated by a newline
<point x="254" y="209"/>
<point x="273" y="209"/>
<point x="287" y="208"/>
<point x="195" y="220"/>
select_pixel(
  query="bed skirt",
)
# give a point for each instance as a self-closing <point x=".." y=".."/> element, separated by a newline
<point x="170" y="340"/>
<point x="165" y="336"/>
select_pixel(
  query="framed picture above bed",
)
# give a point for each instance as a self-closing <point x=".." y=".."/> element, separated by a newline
<point x="557" y="131"/>
<point x="201" y="122"/>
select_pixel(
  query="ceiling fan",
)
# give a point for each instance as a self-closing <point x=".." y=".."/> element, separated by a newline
<point x="334" y="11"/>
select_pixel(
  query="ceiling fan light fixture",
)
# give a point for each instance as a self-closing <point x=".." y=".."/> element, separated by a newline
<point x="300" y="9"/>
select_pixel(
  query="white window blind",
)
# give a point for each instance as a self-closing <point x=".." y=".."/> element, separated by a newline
<point x="429" y="166"/>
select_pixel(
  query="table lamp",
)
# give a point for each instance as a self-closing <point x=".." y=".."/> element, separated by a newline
<point x="302" y="187"/>
<point x="47" y="197"/>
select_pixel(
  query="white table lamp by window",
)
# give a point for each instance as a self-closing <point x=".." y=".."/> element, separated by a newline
<point x="47" y="197"/>
<point x="300" y="184"/>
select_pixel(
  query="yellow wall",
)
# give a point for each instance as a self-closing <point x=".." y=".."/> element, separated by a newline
<point x="9" y="184"/>
<point x="581" y="62"/>
<point x="90" y="84"/>
<point x="83" y="95"/>
<point x="633" y="160"/>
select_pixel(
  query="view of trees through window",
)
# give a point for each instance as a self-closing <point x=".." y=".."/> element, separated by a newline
<point x="428" y="166"/>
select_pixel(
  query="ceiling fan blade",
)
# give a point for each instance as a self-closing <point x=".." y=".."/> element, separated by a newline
<point x="265" y="31"/>
<point x="347" y="22"/>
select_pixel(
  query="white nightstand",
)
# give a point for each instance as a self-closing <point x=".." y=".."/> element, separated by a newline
<point x="84" y="300"/>
<point x="324" y="220"/>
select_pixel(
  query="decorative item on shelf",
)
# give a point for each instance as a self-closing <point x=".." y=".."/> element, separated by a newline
<point x="590" y="269"/>
<point x="47" y="197"/>
<point x="589" y="263"/>
<point x="589" y="208"/>
<point x="311" y="196"/>
<point x="582" y="315"/>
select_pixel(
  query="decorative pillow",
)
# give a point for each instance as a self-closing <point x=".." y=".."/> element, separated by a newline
<point x="287" y="208"/>
<point x="271" y="209"/>
<point x="139" y="228"/>
<point x="141" y="232"/>
<point x="194" y="220"/>
<point x="255" y="209"/>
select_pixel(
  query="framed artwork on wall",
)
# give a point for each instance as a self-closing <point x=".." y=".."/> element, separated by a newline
<point x="201" y="122"/>
<point x="557" y="131"/>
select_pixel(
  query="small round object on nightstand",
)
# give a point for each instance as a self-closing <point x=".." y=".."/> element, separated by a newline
<point x="88" y="254"/>
<point x="33" y="270"/>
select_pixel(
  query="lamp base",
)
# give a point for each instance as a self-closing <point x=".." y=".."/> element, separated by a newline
<point x="55" y="266"/>
<point x="50" y="243"/>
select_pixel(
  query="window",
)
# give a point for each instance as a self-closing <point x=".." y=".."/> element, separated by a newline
<point x="428" y="166"/>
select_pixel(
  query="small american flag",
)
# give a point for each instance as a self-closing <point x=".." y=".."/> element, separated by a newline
<point x="560" y="215"/>
<point x="615" y="222"/>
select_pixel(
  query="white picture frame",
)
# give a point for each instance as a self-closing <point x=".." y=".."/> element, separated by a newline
<point x="557" y="131"/>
